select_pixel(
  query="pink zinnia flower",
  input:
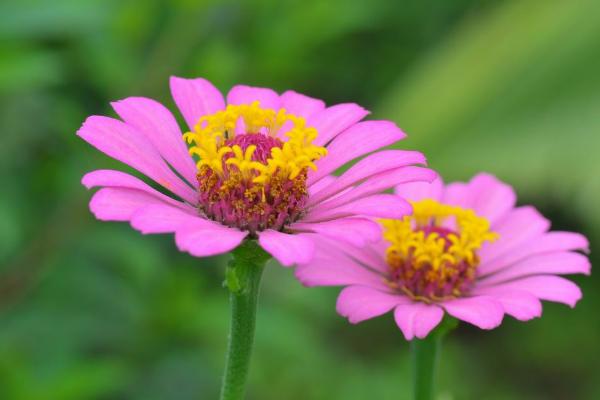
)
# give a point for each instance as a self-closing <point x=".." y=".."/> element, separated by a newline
<point x="263" y="171"/>
<point x="466" y="250"/>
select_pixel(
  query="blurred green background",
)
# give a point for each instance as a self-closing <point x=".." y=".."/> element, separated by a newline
<point x="92" y="310"/>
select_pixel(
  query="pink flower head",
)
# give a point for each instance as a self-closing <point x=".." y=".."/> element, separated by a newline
<point x="263" y="170"/>
<point x="466" y="250"/>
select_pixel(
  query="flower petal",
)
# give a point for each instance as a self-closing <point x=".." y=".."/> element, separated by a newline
<point x="375" y="206"/>
<point x="195" y="98"/>
<point x="544" y="287"/>
<point x="333" y="268"/>
<point x="356" y="231"/>
<point x="160" y="128"/>
<point x="200" y="238"/>
<point x="549" y="242"/>
<point x="323" y="183"/>
<point x="457" y="194"/>
<point x="369" y="166"/>
<point x="491" y="198"/>
<point x="287" y="249"/>
<point x="519" y="226"/>
<point x="335" y="119"/>
<point x="484" y="312"/>
<point x="242" y="94"/>
<point x="379" y="183"/>
<point x="119" y="179"/>
<point x="124" y="143"/>
<point x="519" y="304"/>
<point x="561" y="241"/>
<point x="301" y="105"/>
<point x="417" y="191"/>
<point x="548" y="263"/>
<point x="359" y="303"/>
<point x="371" y="256"/>
<point x="162" y="218"/>
<point x="417" y="319"/>
<point x="119" y="204"/>
<point x="358" y="140"/>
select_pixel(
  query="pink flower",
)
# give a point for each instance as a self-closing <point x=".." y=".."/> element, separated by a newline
<point x="467" y="250"/>
<point x="263" y="171"/>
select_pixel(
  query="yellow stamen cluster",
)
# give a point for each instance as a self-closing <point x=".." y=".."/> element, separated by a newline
<point x="408" y="237"/>
<point x="295" y="155"/>
<point x="433" y="253"/>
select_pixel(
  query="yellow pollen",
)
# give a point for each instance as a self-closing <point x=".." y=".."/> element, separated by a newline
<point x="213" y="131"/>
<point x="433" y="253"/>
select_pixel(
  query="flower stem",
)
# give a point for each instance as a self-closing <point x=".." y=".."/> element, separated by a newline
<point x="243" y="281"/>
<point x="425" y="359"/>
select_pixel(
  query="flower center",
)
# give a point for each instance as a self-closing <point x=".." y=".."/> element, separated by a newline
<point x="253" y="166"/>
<point x="433" y="253"/>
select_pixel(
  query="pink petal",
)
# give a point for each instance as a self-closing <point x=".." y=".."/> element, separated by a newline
<point x="322" y="184"/>
<point x="484" y="312"/>
<point x="114" y="178"/>
<point x="370" y="256"/>
<point x="119" y="179"/>
<point x="202" y="239"/>
<point x="160" y="128"/>
<point x="544" y="287"/>
<point x="549" y="242"/>
<point x="195" y="98"/>
<point x="417" y="319"/>
<point x="367" y="167"/>
<point x="333" y="120"/>
<point x="119" y="204"/>
<point x="491" y="198"/>
<point x="375" y="206"/>
<point x="558" y="240"/>
<point x="242" y="94"/>
<point x="417" y="191"/>
<point x="333" y="268"/>
<point x="356" y="231"/>
<point x="358" y="140"/>
<point x="359" y="303"/>
<point x="379" y="183"/>
<point x="122" y="142"/>
<point x="457" y="194"/>
<point x="301" y="105"/>
<point x="161" y="218"/>
<point x="548" y="263"/>
<point x="519" y="226"/>
<point x="287" y="249"/>
<point x="519" y="304"/>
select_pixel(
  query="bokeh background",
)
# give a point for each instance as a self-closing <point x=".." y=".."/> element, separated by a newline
<point x="92" y="310"/>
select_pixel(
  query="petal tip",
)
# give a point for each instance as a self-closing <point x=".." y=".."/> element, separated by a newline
<point x="85" y="180"/>
<point x="576" y="297"/>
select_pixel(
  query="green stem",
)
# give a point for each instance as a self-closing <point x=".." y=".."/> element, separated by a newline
<point x="425" y="359"/>
<point x="243" y="280"/>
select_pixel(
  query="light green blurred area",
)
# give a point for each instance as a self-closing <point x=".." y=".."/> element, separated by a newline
<point x="92" y="310"/>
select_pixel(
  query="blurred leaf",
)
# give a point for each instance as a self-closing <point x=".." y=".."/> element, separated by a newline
<point x="513" y="91"/>
<point x="23" y="68"/>
<point x="34" y="19"/>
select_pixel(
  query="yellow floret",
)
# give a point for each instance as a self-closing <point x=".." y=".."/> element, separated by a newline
<point x="297" y="153"/>
<point x="407" y="239"/>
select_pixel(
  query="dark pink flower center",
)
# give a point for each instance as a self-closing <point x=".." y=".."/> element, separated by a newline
<point x="426" y="282"/>
<point x="234" y="199"/>
<point x="263" y="143"/>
